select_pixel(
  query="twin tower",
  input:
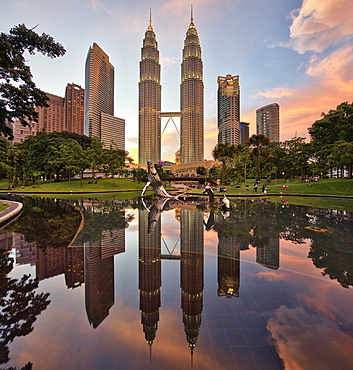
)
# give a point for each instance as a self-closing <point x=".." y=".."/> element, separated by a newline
<point x="191" y="100"/>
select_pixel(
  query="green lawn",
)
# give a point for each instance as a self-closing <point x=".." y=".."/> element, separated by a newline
<point x="3" y="206"/>
<point x="322" y="187"/>
<point x="75" y="186"/>
<point x="328" y="203"/>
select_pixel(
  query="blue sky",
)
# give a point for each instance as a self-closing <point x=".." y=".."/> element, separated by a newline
<point x="296" y="53"/>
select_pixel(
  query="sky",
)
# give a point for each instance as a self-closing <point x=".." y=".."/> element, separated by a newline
<point x="296" y="53"/>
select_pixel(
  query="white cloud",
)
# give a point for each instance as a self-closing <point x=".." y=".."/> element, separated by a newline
<point x="98" y="7"/>
<point x="168" y="62"/>
<point x="274" y="93"/>
<point x="319" y="24"/>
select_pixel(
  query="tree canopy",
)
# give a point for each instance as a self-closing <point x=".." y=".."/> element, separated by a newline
<point x="18" y="93"/>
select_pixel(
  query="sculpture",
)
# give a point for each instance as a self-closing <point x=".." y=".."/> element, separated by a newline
<point x="157" y="184"/>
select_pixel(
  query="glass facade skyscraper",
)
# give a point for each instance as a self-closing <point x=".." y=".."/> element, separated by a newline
<point x="267" y="121"/>
<point x="228" y="101"/>
<point x="99" y="90"/>
<point x="149" y="100"/>
<point x="99" y="100"/>
<point x="191" y="99"/>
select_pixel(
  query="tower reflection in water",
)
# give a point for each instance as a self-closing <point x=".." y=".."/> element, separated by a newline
<point x="191" y="269"/>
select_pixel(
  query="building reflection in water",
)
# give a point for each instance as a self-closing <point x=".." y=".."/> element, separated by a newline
<point x="191" y="269"/>
<point x="99" y="274"/>
<point x="191" y="273"/>
<point x="268" y="255"/>
<point x="228" y="266"/>
<point x="150" y="271"/>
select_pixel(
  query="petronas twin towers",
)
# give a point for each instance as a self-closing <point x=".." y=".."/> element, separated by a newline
<point x="191" y="100"/>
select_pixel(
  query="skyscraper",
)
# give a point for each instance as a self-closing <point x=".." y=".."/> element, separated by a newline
<point x="191" y="273"/>
<point x="228" y="109"/>
<point x="74" y="108"/>
<point x="244" y="132"/>
<point x="149" y="100"/>
<point x="191" y="99"/>
<point x="267" y="121"/>
<point x="99" y="98"/>
<point x="150" y="271"/>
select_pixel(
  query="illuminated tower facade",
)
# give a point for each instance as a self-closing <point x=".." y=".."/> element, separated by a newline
<point x="99" y="90"/>
<point x="192" y="273"/>
<point x="149" y="275"/>
<point x="149" y="100"/>
<point x="228" y="110"/>
<point x="191" y="99"/>
<point x="267" y="121"/>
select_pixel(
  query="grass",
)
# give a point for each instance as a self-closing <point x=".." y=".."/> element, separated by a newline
<point x="322" y="187"/>
<point x="75" y="186"/>
<point x="296" y="186"/>
<point x="328" y="203"/>
<point x="3" y="206"/>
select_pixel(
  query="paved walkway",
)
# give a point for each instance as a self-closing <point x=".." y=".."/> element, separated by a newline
<point x="10" y="212"/>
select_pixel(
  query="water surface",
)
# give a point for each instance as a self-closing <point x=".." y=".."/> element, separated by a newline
<point x="153" y="285"/>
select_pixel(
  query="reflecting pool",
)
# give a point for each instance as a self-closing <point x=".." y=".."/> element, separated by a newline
<point x="153" y="284"/>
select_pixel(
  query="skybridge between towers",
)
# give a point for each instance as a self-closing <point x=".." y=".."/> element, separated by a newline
<point x="170" y="116"/>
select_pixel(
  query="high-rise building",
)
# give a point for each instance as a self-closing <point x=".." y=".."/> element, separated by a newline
<point x="113" y="131"/>
<point x="149" y="100"/>
<point x="267" y="121"/>
<point x="74" y="108"/>
<point x="191" y="99"/>
<point x="50" y="118"/>
<point x="228" y="109"/>
<point x="191" y="273"/>
<point x="150" y="271"/>
<point x="62" y="114"/>
<point x="244" y="132"/>
<point x="99" y="98"/>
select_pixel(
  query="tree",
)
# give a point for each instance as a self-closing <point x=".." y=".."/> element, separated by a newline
<point x="72" y="157"/>
<point x="335" y="125"/>
<point x="258" y="145"/>
<point x="95" y="155"/>
<point x="20" y="305"/>
<point x="224" y="152"/>
<point x="201" y="170"/>
<point x="298" y="153"/>
<point x="342" y="155"/>
<point x="18" y="93"/>
<point x="17" y="159"/>
<point x="113" y="160"/>
<point x="5" y="164"/>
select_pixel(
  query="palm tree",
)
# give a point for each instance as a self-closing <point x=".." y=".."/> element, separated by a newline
<point x="223" y="152"/>
<point x="258" y="145"/>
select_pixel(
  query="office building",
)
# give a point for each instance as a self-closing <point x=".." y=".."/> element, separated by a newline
<point x="267" y="121"/>
<point x="62" y="114"/>
<point x="74" y="108"/>
<point x="20" y="132"/>
<point x="244" y="132"/>
<point x="191" y="99"/>
<point x="99" y="117"/>
<point x="112" y="131"/>
<point x="149" y="100"/>
<point x="228" y="109"/>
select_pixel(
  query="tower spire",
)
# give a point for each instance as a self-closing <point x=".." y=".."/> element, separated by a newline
<point x="151" y="16"/>
<point x="192" y="15"/>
